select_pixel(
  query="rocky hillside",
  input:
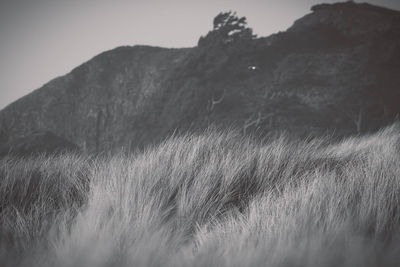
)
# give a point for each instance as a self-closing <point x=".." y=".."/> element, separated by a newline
<point x="336" y="70"/>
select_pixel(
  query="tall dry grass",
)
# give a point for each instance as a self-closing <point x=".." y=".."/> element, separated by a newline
<point x="208" y="200"/>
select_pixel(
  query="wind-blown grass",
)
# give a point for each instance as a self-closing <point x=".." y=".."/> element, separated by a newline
<point x="207" y="200"/>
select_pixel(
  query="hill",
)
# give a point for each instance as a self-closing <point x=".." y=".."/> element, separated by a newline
<point x="334" y="71"/>
<point x="45" y="143"/>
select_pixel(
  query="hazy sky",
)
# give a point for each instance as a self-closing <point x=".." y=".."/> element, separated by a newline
<point x="43" y="39"/>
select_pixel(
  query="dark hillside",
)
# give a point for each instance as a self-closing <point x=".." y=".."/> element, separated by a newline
<point x="335" y="70"/>
<point x="38" y="143"/>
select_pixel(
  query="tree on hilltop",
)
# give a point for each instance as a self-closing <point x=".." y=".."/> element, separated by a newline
<point x="227" y="27"/>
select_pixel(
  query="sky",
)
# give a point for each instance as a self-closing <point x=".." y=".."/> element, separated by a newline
<point x="43" y="39"/>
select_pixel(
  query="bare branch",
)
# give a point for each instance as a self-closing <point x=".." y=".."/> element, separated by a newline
<point x="214" y="102"/>
<point x="256" y="121"/>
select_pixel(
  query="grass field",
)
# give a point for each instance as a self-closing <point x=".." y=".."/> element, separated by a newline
<point x="207" y="200"/>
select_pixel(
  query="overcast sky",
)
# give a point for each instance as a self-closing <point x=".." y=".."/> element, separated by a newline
<point x="43" y="39"/>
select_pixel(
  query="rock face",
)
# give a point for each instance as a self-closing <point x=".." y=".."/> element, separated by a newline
<point x="38" y="143"/>
<point x="335" y="70"/>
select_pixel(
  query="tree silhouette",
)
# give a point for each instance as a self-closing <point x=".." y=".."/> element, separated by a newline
<point x="227" y="28"/>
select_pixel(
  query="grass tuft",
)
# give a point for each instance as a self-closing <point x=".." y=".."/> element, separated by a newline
<point x="216" y="199"/>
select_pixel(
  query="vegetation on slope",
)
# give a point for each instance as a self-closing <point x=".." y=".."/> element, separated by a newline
<point x="336" y="69"/>
<point x="207" y="200"/>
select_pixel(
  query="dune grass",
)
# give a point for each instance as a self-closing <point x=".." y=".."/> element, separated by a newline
<point x="207" y="200"/>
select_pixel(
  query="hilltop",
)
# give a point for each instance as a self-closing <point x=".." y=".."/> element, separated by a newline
<point x="333" y="71"/>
